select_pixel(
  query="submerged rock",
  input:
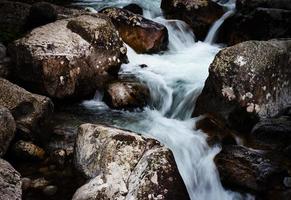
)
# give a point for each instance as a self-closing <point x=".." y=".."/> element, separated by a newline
<point x="257" y="20"/>
<point x="125" y="165"/>
<point x="143" y="35"/>
<point x="69" y="58"/>
<point x="30" y="111"/>
<point x="126" y="95"/>
<point x="10" y="182"/>
<point x="242" y="168"/>
<point x="7" y="129"/>
<point x="248" y="82"/>
<point x="199" y="14"/>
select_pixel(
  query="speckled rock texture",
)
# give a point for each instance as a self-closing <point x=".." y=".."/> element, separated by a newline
<point x="124" y="165"/>
<point x="143" y="35"/>
<point x="257" y="20"/>
<point x="248" y="82"/>
<point x="10" y="182"/>
<point x="69" y="58"/>
<point x="199" y="14"/>
<point x="7" y="129"/>
<point x="126" y="94"/>
<point x="30" y="111"/>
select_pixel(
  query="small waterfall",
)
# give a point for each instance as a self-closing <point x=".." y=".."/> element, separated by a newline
<point x="212" y="34"/>
<point x="175" y="79"/>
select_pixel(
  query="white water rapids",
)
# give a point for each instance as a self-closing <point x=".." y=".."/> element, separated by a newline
<point x="175" y="79"/>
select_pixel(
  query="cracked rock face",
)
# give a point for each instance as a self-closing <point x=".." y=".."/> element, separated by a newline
<point x="248" y="82"/>
<point x="69" y="58"/>
<point x="124" y="165"/>
<point x="30" y="111"/>
<point x="141" y="34"/>
<point x="10" y="182"/>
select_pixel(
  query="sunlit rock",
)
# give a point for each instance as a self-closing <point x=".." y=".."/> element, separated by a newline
<point x="248" y="82"/>
<point x="69" y="58"/>
<point x="143" y="35"/>
<point x="125" y="165"/>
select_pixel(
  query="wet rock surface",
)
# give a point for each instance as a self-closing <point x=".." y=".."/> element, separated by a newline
<point x="29" y="110"/>
<point x="143" y="35"/>
<point x="69" y="58"/>
<point x="232" y="88"/>
<point x="10" y="182"/>
<point x="126" y="94"/>
<point x="7" y="130"/>
<point x="123" y="165"/>
<point x="199" y="14"/>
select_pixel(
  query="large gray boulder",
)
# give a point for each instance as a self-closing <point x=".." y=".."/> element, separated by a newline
<point x="7" y="129"/>
<point x="248" y="82"/>
<point x="69" y="58"/>
<point x="124" y="165"/>
<point x="10" y="182"/>
<point x="30" y="111"/>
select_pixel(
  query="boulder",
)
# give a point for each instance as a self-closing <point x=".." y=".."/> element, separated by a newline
<point x="273" y="133"/>
<point x="251" y="4"/>
<point x="10" y="182"/>
<point x="69" y="58"/>
<point x="248" y="82"/>
<point x="134" y="8"/>
<point x="126" y="94"/>
<point x="257" y="20"/>
<point x="125" y="165"/>
<point x="199" y="14"/>
<point x="250" y="170"/>
<point x="143" y="35"/>
<point x="13" y="19"/>
<point x="16" y="18"/>
<point x="7" y="130"/>
<point x="30" y="111"/>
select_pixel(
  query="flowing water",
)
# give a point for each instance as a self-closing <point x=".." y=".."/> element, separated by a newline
<point x="175" y="79"/>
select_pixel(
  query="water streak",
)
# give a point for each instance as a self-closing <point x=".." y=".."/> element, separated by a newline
<point x="175" y="79"/>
